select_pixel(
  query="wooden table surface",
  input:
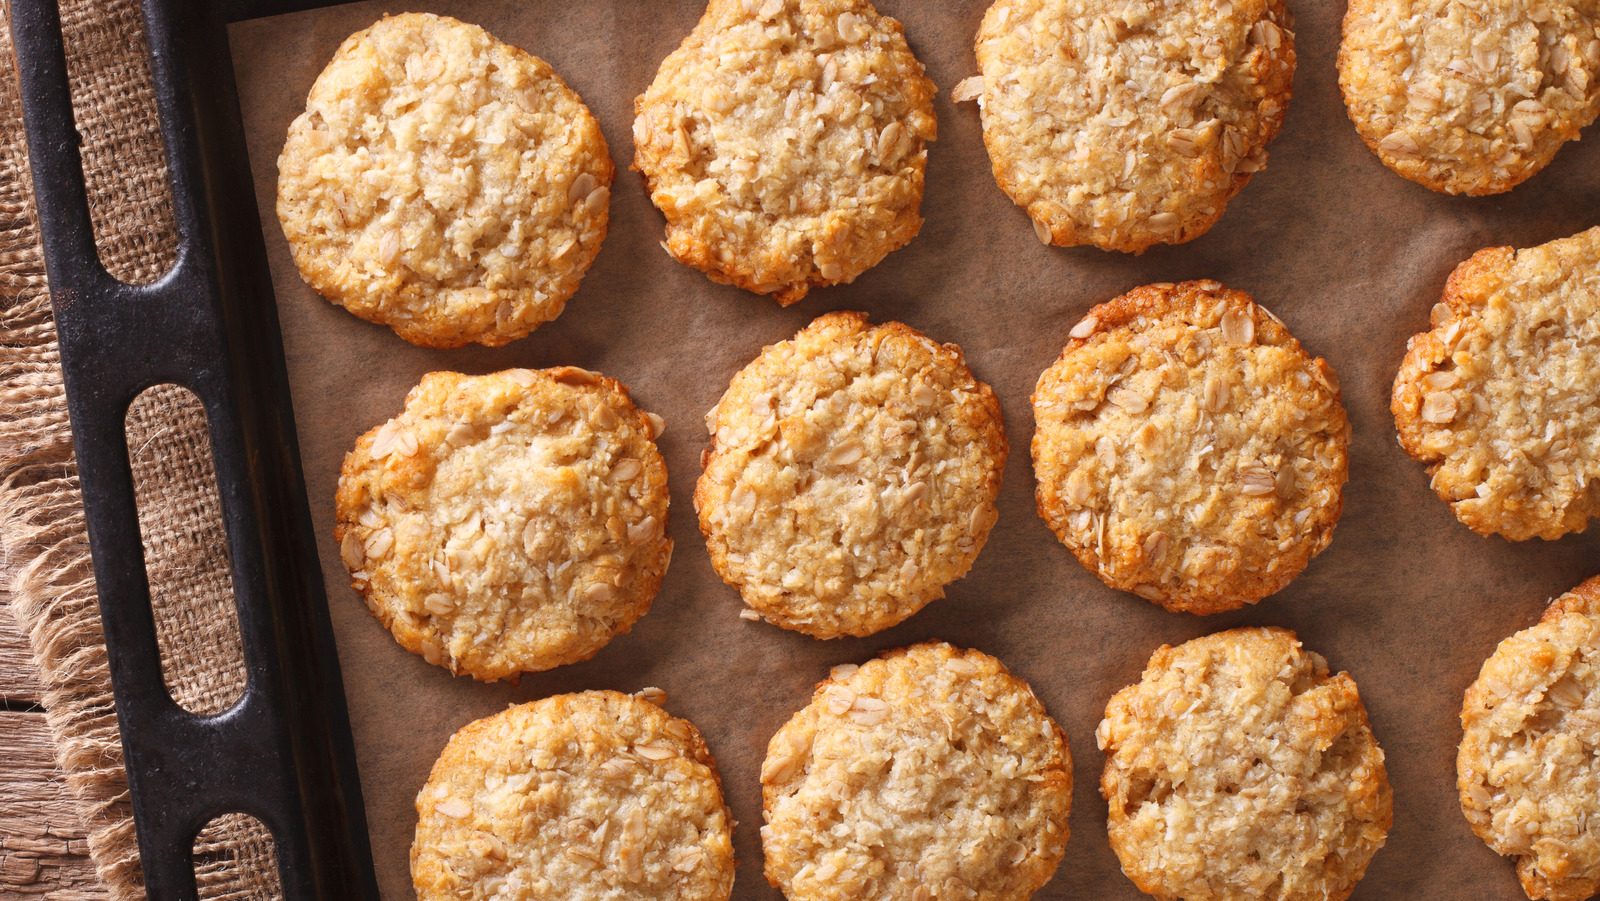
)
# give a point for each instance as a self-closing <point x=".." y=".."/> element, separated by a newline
<point x="42" y="850"/>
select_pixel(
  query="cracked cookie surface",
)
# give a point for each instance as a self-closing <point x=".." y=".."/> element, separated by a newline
<point x="443" y="183"/>
<point x="507" y="523"/>
<point x="1187" y="449"/>
<point x="852" y="475"/>
<point x="1125" y="125"/>
<point x="785" y="142"/>
<point x="1528" y="771"/>
<point x="1501" y="398"/>
<point x="1470" y="97"/>
<point x="928" y="772"/>
<point x="597" y="796"/>
<point x="1237" y="767"/>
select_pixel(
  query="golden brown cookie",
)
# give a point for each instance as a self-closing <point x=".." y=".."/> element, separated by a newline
<point x="597" y="796"/>
<point x="1528" y="770"/>
<point x="1584" y="599"/>
<point x="930" y="772"/>
<point x="1470" y="98"/>
<point x="1238" y="768"/>
<point x="1502" y="397"/>
<point x="785" y="143"/>
<point x="507" y="523"/>
<point x="852" y="475"/>
<point x="443" y="184"/>
<point x="1125" y="125"/>
<point x="1187" y="449"/>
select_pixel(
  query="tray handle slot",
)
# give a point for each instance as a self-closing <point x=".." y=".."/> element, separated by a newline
<point x="191" y="578"/>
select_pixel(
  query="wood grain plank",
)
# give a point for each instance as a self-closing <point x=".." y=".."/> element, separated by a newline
<point x="42" y="848"/>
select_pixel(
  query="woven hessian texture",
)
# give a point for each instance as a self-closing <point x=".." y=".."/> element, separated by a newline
<point x="42" y="530"/>
<point x="185" y="549"/>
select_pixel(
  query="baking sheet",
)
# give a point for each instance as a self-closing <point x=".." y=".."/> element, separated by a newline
<point x="1349" y="254"/>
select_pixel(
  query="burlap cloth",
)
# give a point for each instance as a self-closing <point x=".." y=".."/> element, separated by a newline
<point x="42" y="529"/>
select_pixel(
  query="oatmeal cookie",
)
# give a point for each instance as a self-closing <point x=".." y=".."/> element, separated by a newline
<point x="930" y="772"/>
<point x="1502" y="397"/>
<point x="1528" y="771"/>
<point x="1125" y="125"/>
<point x="597" y="796"/>
<point x="852" y="475"/>
<point x="1188" y="450"/>
<point x="1584" y="599"/>
<point x="507" y="523"/>
<point x="1238" y="768"/>
<point x="443" y="184"/>
<point x="785" y="143"/>
<point x="1470" y="97"/>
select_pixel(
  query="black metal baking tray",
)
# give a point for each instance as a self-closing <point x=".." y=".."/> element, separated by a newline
<point x="1349" y="253"/>
<point x="283" y="753"/>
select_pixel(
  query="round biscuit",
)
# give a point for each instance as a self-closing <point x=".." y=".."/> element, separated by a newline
<point x="1527" y="770"/>
<point x="1501" y="398"/>
<point x="930" y="772"/>
<point x="852" y="475"/>
<point x="597" y="796"/>
<point x="507" y="523"/>
<point x="785" y="142"/>
<point x="1125" y="125"/>
<point x="1470" y="98"/>
<point x="443" y="183"/>
<point x="1187" y="449"/>
<point x="1584" y="599"/>
<point x="1238" y="768"/>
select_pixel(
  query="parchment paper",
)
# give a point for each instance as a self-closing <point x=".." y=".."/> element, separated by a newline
<point x="1349" y="254"/>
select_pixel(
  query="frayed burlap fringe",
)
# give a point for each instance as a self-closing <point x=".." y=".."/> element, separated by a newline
<point x="43" y="537"/>
<point x="42" y="532"/>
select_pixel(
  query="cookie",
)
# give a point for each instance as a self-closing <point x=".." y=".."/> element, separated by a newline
<point x="507" y="523"/>
<point x="1584" y="599"/>
<point x="1501" y="398"/>
<point x="930" y="772"/>
<point x="1238" y="768"/>
<point x="1187" y="449"/>
<point x="1125" y="125"/>
<point x="785" y="142"/>
<point x="1470" y="98"/>
<point x="851" y="476"/>
<point x="579" y="797"/>
<point x="443" y="184"/>
<point x="1527" y="770"/>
